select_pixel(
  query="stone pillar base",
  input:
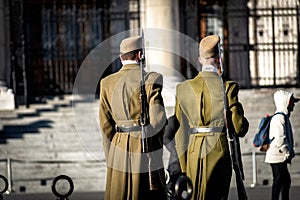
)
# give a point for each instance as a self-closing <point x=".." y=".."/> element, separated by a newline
<point x="7" y="99"/>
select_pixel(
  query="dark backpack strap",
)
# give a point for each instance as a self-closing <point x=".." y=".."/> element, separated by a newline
<point x="285" y="119"/>
<point x="282" y="113"/>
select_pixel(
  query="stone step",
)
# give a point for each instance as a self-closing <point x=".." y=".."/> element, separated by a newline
<point x="53" y="154"/>
<point x="29" y="171"/>
<point x="57" y="142"/>
<point x="31" y="174"/>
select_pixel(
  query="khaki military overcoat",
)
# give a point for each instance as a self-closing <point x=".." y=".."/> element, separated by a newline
<point x="127" y="176"/>
<point x="204" y="156"/>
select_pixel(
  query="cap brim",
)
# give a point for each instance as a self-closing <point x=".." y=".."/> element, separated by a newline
<point x="296" y="99"/>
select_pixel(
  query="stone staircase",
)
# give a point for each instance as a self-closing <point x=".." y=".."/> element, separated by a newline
<point x="61" y="136"/>
<point x="43" y="141"/>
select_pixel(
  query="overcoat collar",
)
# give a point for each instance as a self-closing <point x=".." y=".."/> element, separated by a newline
<point x="207" y="74"/>
<point x="130" y="67"/>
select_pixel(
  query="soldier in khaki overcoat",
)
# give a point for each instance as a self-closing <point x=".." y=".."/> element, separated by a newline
<point x="127" y="172"/>
<point x="201" y="141"/>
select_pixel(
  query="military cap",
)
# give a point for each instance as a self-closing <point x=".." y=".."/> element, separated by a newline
<point x="131" y="44"/>
<point x="208" y="46"/>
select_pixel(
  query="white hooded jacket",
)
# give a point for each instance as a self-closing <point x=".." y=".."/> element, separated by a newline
<point x="281" y="147"/>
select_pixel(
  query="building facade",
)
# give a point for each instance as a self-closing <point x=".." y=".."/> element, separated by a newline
<point x="43" y="43"/>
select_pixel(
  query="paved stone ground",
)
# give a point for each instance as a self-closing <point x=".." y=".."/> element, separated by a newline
<point x="61" y="136"/>
<point x="257" y="193"/>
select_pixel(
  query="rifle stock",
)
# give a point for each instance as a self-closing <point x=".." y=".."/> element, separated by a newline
<point x="239" y="176"/>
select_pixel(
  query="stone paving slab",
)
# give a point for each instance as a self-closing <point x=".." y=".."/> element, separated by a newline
<point x="257" y="193"/>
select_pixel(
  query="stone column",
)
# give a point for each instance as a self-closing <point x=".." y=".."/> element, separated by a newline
<point x="6" y="95"/>
<point x="163" y="16"/>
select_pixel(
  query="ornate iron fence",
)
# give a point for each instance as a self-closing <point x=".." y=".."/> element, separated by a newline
<point x="51" y="39"/>
<point x="274" y="43"/>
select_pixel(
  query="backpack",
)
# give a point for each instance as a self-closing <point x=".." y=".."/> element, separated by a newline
<point x="261" y="138"/>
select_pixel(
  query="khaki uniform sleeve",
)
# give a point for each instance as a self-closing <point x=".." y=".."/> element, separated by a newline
<point x="157" y="114"/>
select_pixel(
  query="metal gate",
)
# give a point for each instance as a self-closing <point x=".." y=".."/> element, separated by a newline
<point x="274" y="43"/>
<point x="53" y="37"/>
<point x="229" y="20"/>
<point x="260" y="40"/>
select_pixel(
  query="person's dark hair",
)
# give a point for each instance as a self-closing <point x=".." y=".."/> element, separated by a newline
<point x="130" y="55"/>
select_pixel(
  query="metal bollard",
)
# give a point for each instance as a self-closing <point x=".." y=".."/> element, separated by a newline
<point x="254" y="175"/>
<point x="9" y="174"/>
<point x="60" y="195"/>
<point x="5" y="186"/>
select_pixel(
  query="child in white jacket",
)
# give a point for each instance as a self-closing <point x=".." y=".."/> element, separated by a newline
<point x="281" y="149"/>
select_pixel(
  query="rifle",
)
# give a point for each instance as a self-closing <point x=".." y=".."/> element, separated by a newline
<point x="154" y="175"/>
<point x="233" y="143"/>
